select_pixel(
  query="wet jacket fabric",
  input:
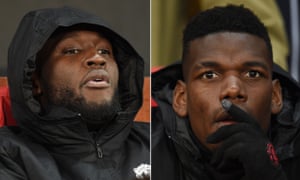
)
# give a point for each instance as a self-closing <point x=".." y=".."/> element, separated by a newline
<point x="175" y="152"/>
<point x="58" y="146"/>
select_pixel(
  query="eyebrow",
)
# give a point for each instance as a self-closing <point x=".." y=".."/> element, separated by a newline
<point x="207" y="64"/>
<point x="212" y="64"/>
<point x="255" y="64"/>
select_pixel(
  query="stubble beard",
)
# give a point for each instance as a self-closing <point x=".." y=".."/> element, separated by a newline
<point x="94" y="113"/>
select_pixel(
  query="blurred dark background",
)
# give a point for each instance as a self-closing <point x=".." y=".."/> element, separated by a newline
<point x="130" y="18"/>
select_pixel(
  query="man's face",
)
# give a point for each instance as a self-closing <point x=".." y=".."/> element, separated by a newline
<point x="235" y="66"/>
<point x="81" y="71"/>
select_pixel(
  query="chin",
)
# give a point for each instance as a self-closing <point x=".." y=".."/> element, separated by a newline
<point x="212" y="147"/>
<point x="98" y="101"/>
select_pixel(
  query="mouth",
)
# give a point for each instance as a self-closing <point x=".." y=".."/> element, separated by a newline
<point x="97" y="79"/>
<point x="225" y="119"/>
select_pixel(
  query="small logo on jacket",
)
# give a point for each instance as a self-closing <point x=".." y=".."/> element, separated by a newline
<point x="143" y="171"/>
<point x="272" y="154"/>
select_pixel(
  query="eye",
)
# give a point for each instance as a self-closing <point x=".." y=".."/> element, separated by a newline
<point x="209" y="75"/>
<point x="254" y="74"/>
<point x="71" y="51"/>
<point x="103" y="51"/>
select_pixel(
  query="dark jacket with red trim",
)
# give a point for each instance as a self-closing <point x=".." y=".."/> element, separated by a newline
<point x="58" y="146"/>
<point x="177" y="155"/>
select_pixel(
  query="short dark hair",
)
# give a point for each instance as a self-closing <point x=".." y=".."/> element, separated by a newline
<point x="230" y="18"/>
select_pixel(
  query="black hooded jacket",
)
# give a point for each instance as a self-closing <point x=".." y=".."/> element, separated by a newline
<point x="58" y="146"/>
<point x="175" y="152"/>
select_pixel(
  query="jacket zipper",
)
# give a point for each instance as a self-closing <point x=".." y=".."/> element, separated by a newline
<point x="98" y="147"/>
<point x="99" y="151"/>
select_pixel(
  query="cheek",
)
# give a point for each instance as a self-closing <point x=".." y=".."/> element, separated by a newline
<point x="114" y="73"/>
<point x="202" y="107"/>
<point x="260" y="105"/>
<point x="202" y="100"/>
<point x="61" y="75"/>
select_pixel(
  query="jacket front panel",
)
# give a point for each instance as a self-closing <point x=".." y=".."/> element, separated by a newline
<point x="25" y="159"/>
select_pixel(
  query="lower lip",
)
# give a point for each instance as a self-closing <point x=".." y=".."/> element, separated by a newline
<point x="97" y="84"/>
<point x="225" y="123"/>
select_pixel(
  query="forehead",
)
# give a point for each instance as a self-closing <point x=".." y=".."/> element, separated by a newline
<point x="227" y="47"/>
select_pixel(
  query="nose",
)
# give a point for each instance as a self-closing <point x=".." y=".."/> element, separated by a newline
<point x="95" y="60"/>
<point x="233" y="89"/>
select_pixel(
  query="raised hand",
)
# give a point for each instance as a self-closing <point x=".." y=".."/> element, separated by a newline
<point x="245" y="144"/>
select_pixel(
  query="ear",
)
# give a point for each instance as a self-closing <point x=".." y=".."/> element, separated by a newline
<point x="36" y="85"/>
<point x="179" y="99"/>
<point x="277" y="103"/>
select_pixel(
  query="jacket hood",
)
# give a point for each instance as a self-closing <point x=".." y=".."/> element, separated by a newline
<point x="34" y="30"/>
<point x="285" y="125"/>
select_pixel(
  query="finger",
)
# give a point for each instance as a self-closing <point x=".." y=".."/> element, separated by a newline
<point x="237" y="113"/>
